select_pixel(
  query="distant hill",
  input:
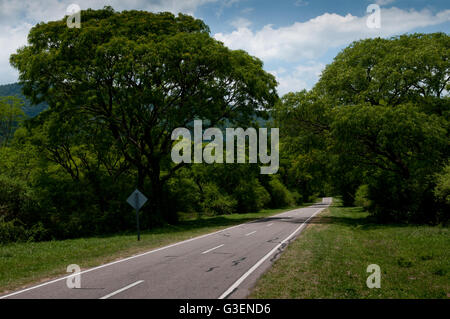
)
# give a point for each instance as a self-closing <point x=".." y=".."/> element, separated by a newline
<point x="15" y="89"/>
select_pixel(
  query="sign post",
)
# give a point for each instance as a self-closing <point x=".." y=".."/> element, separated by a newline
<point x="137" y="200"/>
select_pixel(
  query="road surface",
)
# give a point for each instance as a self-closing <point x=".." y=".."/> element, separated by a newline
<point x="224" y="264"/>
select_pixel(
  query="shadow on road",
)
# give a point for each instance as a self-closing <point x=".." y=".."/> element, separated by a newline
<point x="360" y="220"/>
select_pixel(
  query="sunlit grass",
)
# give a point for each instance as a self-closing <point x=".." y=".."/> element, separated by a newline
<point x="329" y="260"/>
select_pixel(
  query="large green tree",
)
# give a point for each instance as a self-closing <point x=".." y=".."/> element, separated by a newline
<point x="139" y="75"/>
<point x="381" y="113"/>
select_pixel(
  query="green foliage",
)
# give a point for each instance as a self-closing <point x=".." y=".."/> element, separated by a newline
<point x="11" y="231"/>
<point x="442" y="194"/>
<point x="184" y="193"/>
<point x="11" y="115"/>
<point x="135" y="76"/>
<point x="362" y="197"/>
<point x="18" y="201"/>
<point x="388" y="71"/>
<point x="378" y="116"/>
<point x="442" y="189"/>
<point x="117" y="87"/>
<point x="280" y="195"/>
<point x="216" y="203"/>
<point x="115" y="90"/>
<point x="398" y="148"/>
<point x="303" y="120"/>
<point x="250" y="196"/>
<point x="15" y="89"/>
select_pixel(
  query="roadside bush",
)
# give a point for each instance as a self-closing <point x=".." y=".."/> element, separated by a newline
<point x="17" y="201"/>
<point x="216" y="203"/>
<point x="15" y="231"/>
<point x="297" y="197"/>
<point x="442" y="189"/>
<point x="313" y="198"/>
<point x="442" y="194"/>
<point x="251" y="196"/>
<point x="11" y="231"/>
<point x="184" y="195"/>
<point x="362" y="197"/>
<point x="280" y="195"/>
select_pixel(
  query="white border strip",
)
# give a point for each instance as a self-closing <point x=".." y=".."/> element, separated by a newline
<point x="122" y="289"/>
<point x="255" y="266"/>
<point x="136" y="256"/>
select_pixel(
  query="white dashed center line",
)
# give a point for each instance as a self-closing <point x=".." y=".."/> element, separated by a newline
<point x="250" y="233"/>
<point x="207" y="251"/>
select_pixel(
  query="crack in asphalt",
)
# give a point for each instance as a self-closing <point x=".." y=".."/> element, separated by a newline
<point x="273" y="240"/>
<point x="237" y="262"/>
<point x="279" y="251"/>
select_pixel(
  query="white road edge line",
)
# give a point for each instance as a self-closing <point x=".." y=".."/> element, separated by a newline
<point x="250" y="233"/>
<point x="129" y="258"/>
<point x="207" y="251"/>
<point x="122" y="289"/>
<point x="255" y="266"/>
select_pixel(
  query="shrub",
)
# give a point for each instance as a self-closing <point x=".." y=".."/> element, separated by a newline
<point x="297" y="197"/>
<point x="11" y="231"/>
<point x="18" y="201"/>
<point x="280" y="195"/>
<point x="251" y="196"/>
<point x="216" y="203"/>
<point x="442" y="189"/>
<point x="184" y="195"/>
<point x="362" y="197"/>
<point x="15" y="231"/>
<point x="442" y="194"/>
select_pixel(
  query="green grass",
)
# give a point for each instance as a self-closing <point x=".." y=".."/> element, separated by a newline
<point x="22" y="264"/>
<point x="330" y="258"/>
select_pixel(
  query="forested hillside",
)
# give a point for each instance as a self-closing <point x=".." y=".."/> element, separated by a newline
<point x="15" y="89"/>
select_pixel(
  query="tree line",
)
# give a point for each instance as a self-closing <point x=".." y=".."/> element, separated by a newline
<point x="374" y="129"/>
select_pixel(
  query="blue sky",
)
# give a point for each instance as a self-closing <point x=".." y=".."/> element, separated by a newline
<point x="295" y="39"/>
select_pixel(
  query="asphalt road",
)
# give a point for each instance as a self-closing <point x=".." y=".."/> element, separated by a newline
<point x="224" y="264"/>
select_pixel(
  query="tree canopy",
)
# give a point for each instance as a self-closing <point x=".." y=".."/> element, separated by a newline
<point x="378" y="117"/>
<point x="139" y="75"/>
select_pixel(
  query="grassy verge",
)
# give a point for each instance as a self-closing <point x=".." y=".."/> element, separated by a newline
<point x="28" y="263"/>
<point x="330" y="259"/>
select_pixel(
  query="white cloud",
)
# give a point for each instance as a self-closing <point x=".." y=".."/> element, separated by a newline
<point x="17" y="18"/>
<point x="311" y="39"/>
<point x="225" y="4"/>
<point x="241" y="23"/>
<point x="247" y="10"/>
<point x="303" y="76"/>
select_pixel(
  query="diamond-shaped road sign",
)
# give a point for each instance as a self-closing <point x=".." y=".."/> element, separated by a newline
<point x="137" y="199"/>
